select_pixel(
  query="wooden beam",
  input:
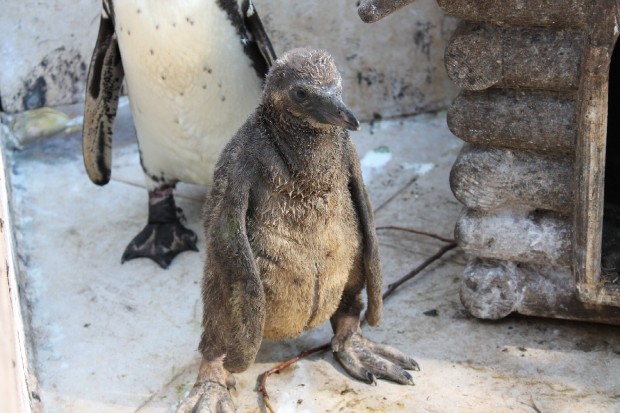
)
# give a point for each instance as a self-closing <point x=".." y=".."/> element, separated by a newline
<point x="539" y="237"/>
<point x="371" y="11"/>
<point x="492" y="289"/>
<point x="531" y="120"/>
<point x="559" y="13"/>
<point x="488" y="179"/>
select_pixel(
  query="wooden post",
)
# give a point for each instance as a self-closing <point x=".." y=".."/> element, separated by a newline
<point x="492" y="289"/>
<point x="590" y="164"/>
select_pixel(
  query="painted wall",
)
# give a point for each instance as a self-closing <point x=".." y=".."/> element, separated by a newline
<point x="390" y="68"/>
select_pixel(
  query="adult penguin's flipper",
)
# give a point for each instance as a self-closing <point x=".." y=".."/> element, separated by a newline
<point x="105" y="78"/>
<point x="257" y="33"/>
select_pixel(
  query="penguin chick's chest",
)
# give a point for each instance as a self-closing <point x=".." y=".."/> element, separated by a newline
<point x="307" y="246"/>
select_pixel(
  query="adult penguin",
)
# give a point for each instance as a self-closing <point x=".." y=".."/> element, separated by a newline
<point x="194" y="71"/>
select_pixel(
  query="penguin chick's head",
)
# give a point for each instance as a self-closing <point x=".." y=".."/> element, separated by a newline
<point x="305" y="84"/>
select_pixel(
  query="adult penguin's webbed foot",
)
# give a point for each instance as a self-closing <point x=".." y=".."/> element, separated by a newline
<point x="163" y="237"/>
<point x="366" y="360"/>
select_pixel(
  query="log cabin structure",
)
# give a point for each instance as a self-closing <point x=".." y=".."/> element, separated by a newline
<point x="534" y="115"/>
<point x="539" y="174"/>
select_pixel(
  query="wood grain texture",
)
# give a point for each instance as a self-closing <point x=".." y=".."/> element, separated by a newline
<point x="540" y="237"/>
<point x="564" y="13"/>
<point x="590" y="159"/>
<point x="532" y="120"/>
<point x="480" y="56"/>
<point x="492" y="289"/>
<point x="371" y="11"/>
<point x="489" y="179"/>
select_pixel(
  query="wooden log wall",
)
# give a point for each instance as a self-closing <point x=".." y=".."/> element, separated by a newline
<point x="532" y="168"/>
<point x="533" y="110"/>
<point x="519" y="64"/>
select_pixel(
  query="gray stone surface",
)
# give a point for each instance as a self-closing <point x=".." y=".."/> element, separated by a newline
<point x="122" y="338"/>
<point x="390" y="68"/>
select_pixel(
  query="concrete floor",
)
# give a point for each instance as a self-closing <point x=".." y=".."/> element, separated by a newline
<point x="122" y="338"/>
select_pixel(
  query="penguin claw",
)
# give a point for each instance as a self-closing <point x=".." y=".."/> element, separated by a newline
<point x="161" y="242"/>
<point x="367" y="361"/>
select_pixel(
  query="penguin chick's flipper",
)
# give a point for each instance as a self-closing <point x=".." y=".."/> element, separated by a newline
<point x="362" y="358"/>
<point x="105" y="78"/>
<point x="234" y="302"/>
<point x="366" y="360"/>
<point x="234" y="309"/>
<point x="163" y="237"/>
<point x="363" y="208"/>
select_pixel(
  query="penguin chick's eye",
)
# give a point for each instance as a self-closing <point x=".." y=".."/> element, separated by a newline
<point x="300" y="95"/>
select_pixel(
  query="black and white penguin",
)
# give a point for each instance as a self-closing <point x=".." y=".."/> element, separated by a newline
<point x="194" y="72"/>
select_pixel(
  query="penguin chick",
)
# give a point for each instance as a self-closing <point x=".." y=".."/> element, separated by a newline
<point x="194" y="72"/>
<point x="290" y="235"/>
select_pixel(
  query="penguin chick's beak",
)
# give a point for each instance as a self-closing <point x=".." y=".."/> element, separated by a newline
<point x="331" y="109"/>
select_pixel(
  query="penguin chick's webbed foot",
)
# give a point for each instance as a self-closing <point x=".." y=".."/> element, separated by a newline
<point x="207" y="397"/>
<point x="164" y="236"/>
<point x="366" y="360"/>
<point x="210" y="393"/>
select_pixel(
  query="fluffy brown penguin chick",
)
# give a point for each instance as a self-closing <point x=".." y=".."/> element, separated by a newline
<point x="290" y="235"/>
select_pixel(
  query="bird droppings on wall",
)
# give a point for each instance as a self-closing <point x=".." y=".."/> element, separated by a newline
<point x="422" y="38"/>
<point x="59" y="77"/>
<point x="34" y="95"/>
<point x="370" y="77"/>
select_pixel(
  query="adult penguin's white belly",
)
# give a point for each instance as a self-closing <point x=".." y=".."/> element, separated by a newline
<point x="191" y="86"/>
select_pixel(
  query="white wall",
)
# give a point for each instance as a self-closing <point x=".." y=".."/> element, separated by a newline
<point x="391" y="68"/>
<point x="45" y="49"/>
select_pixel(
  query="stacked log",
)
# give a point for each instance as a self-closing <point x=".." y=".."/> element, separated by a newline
<point x="521" y="64"/>
<point x="489" y="179"/>
<point x="514" y="57"/>
<point x="529" y="13"/>
<point x="512" y="118"/>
